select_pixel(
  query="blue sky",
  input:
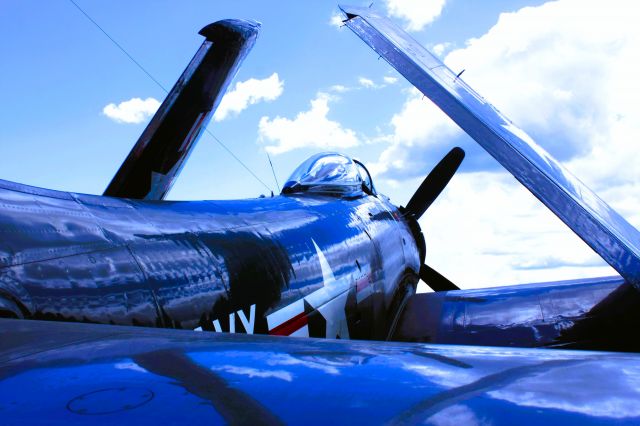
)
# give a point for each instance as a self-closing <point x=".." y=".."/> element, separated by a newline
<point x="563" y="70"/>
<point x="63" y="71"/>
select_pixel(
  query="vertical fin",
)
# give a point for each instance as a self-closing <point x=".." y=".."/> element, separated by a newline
<point x="163" y="148"/>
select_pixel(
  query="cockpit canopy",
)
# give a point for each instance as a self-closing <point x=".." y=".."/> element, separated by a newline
<point x="330" y="173"/>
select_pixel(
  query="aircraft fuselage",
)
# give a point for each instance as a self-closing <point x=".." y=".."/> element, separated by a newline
<point x="292" y="265"/>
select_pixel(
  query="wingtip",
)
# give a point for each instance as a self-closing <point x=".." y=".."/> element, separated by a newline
<point x="235" y="28"/>
<point x="350" y="11"/>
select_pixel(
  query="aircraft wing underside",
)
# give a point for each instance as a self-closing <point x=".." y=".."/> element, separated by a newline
<point x="66" y="373"/>
<point x="602" y="228"/>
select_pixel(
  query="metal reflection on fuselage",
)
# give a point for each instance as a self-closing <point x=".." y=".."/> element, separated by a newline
<point x="219" y="265"/>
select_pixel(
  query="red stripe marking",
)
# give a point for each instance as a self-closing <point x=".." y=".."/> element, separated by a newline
<point x="193" y="132"/>
<point x="290" y="326"/>
<point x="362" y="283"/>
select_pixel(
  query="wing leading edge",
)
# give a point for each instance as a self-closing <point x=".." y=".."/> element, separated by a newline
<point x="593" y="220"/>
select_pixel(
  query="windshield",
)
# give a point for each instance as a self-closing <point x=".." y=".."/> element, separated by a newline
<point x="329" y="173"/>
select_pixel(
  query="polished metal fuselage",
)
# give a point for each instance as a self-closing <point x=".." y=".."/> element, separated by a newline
<point x="212" y="265"/>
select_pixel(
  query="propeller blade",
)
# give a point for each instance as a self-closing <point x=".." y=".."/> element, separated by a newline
<point x="435" y="182"/>
<point x="435" y="280"/>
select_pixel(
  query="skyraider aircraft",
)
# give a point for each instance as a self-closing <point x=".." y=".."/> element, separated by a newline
<point x="328" y="257"/>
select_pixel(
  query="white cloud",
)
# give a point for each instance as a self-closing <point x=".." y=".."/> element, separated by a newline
<point x="247" y="93"/>
<point x="418" y="127"/>
<point x="418" y="13"/>
<point x="339" y="88"/>
<point x="439" y="48"/>
<point x="133" y="111"/>
<point x="366" y="82"/>
<point x="566" y="72"/>
<point x="559" y="61"/>
<point x="309" y="129"/>
<point x="567" y="78"/>
<point x="487" y="230"/>
<point x="336" y="20"/>
<point x="244" y="93"/>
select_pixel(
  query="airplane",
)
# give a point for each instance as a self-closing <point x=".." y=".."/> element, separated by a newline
<point x="329" y="257"/>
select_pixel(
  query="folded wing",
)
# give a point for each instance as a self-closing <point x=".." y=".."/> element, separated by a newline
<point x="163" y="148"/>
<point x="601" y="227"/>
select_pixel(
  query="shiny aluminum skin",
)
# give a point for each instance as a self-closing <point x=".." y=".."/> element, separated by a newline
<point x="76" y="257"/>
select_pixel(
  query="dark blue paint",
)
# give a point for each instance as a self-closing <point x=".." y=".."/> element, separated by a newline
<point x="77" y="257"/>
<point x="287" y="380"/>
<point x="588" y="314"/>
<point x="165" y="145"/>
<point x="338" y="257"/>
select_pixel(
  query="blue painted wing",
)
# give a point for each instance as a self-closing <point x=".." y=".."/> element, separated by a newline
<point x="602" y="228"/>
<point x="69" y="373"/>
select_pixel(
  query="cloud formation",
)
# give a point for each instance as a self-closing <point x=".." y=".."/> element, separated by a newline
<point x="339" y="88"/>
<point x="133" y="111"/>
<point x="336" y="20"/>
<point x="366" y="83"/>
<point x="440" y="48"/>
<point x="244" y="94"/>
<point x="557" y="73"/>
<point x="309" y="129"/>
<point x="487" y="230"/>
<point x="417" y="13"/>
<point x="418" y="127"/>
<point x="249" y="92"/>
